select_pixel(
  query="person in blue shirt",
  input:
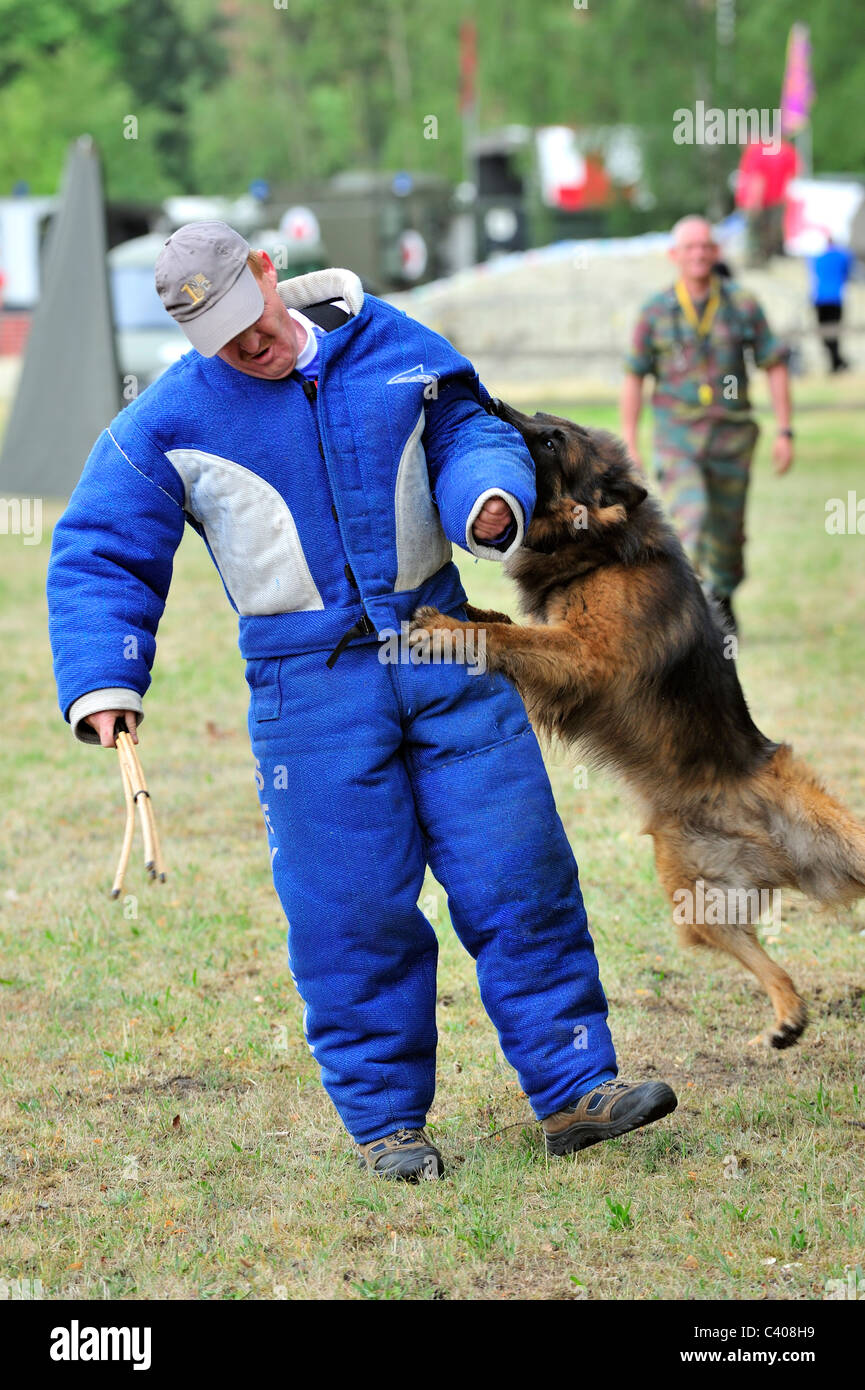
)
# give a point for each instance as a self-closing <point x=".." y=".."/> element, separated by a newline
<point x="329" y="451"/>
<point x="830" y="272"/>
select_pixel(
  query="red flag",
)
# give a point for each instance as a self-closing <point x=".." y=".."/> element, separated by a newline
<point x="468" y="65"/>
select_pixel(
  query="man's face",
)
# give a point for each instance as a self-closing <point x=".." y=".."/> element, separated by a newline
<point x="269" y="348"/>
<point x="694" y="251"/>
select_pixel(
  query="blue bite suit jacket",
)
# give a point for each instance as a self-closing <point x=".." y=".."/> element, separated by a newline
<point x="315" y="512"/>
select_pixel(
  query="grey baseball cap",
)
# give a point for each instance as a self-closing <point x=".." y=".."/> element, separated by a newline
<point x="205" y="284"/>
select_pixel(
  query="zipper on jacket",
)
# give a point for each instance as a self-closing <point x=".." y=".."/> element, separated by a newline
<point x="363" y="627"/>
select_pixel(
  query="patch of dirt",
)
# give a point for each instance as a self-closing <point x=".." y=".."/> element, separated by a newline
<point x="661" y="1003"/>
<point x="180" y="1086"/>
<point x="851" y="1004"/>
<point x="705" y="1069"/>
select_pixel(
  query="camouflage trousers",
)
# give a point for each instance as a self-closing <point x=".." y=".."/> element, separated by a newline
<point x="702" y="471"/>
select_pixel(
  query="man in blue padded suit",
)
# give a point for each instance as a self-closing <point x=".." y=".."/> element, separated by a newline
<point x="329" y="450"/>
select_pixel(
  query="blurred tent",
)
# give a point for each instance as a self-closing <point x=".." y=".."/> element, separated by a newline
<point x="70" y="383"/>
<point x="857" y="232"/>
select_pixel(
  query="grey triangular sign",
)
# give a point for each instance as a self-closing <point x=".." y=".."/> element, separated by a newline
<point x="69" y="387"/>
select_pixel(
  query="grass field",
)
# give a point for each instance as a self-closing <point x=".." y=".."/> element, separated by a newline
<point x="163" y="1132"/>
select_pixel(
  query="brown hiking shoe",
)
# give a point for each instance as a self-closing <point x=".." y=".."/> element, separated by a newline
<point x="610" y="1109"/>
<point x="406" y="1154"/>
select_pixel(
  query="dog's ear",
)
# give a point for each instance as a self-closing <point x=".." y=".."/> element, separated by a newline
<point x="625" y="491"/>
<point x="634" y="495"/>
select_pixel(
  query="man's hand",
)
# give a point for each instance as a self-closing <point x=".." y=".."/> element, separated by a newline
<point x="778" y="378"/>
<point x="782" y="453"/>
<point x="103" y="722"/>
<point x="493" y="519"/>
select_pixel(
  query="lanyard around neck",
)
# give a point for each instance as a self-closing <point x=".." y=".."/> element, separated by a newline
<point x="701" y="326"/>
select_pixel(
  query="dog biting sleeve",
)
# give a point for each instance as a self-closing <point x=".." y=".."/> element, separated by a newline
<point x="112" y="556"/>
<point x="473" y="456"/>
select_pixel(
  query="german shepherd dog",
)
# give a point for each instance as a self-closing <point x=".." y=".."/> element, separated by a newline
<point x="624" y="654"/>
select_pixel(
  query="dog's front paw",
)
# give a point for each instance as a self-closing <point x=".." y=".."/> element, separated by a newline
<point x="427" y="619"/>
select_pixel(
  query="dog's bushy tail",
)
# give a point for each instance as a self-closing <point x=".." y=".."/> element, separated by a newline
<point x="824" y="842"/>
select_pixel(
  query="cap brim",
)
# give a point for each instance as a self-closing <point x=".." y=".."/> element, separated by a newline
<point x="238" y="308"/>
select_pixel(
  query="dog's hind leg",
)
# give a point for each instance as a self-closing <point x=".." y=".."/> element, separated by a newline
<point x="740" y="940"/>
<point x="732" y="913"/>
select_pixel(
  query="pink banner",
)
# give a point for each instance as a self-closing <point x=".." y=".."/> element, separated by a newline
<point x="797" y="93"/>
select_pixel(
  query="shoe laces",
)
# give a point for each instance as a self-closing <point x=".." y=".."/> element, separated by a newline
<point x="405" y="1136"/>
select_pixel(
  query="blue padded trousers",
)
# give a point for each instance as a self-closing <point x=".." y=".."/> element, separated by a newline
<point x="368" y="772"/>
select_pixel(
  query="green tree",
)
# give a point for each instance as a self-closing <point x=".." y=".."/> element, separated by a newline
<point x="230" y="90"/>
<point x="41" y="112"/>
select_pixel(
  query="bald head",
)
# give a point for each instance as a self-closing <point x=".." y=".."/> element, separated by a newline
<point x="690" y="227"/>
<point x="694" y="250"/>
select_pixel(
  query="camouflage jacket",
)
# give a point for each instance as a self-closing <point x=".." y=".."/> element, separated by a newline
<point x="667" y="347"/>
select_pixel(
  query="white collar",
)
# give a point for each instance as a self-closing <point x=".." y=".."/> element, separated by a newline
<point x="310" y="347"/>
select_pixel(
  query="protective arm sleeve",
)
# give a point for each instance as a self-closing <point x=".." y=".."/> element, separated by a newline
<point x="112" y="557"/>
<point x="471" y="457"/>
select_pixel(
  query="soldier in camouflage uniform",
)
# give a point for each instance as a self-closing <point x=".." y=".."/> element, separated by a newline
<point x="692" y="338"/>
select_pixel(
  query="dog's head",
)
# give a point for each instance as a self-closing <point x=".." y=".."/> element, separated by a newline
<point x="589" y="466"/>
